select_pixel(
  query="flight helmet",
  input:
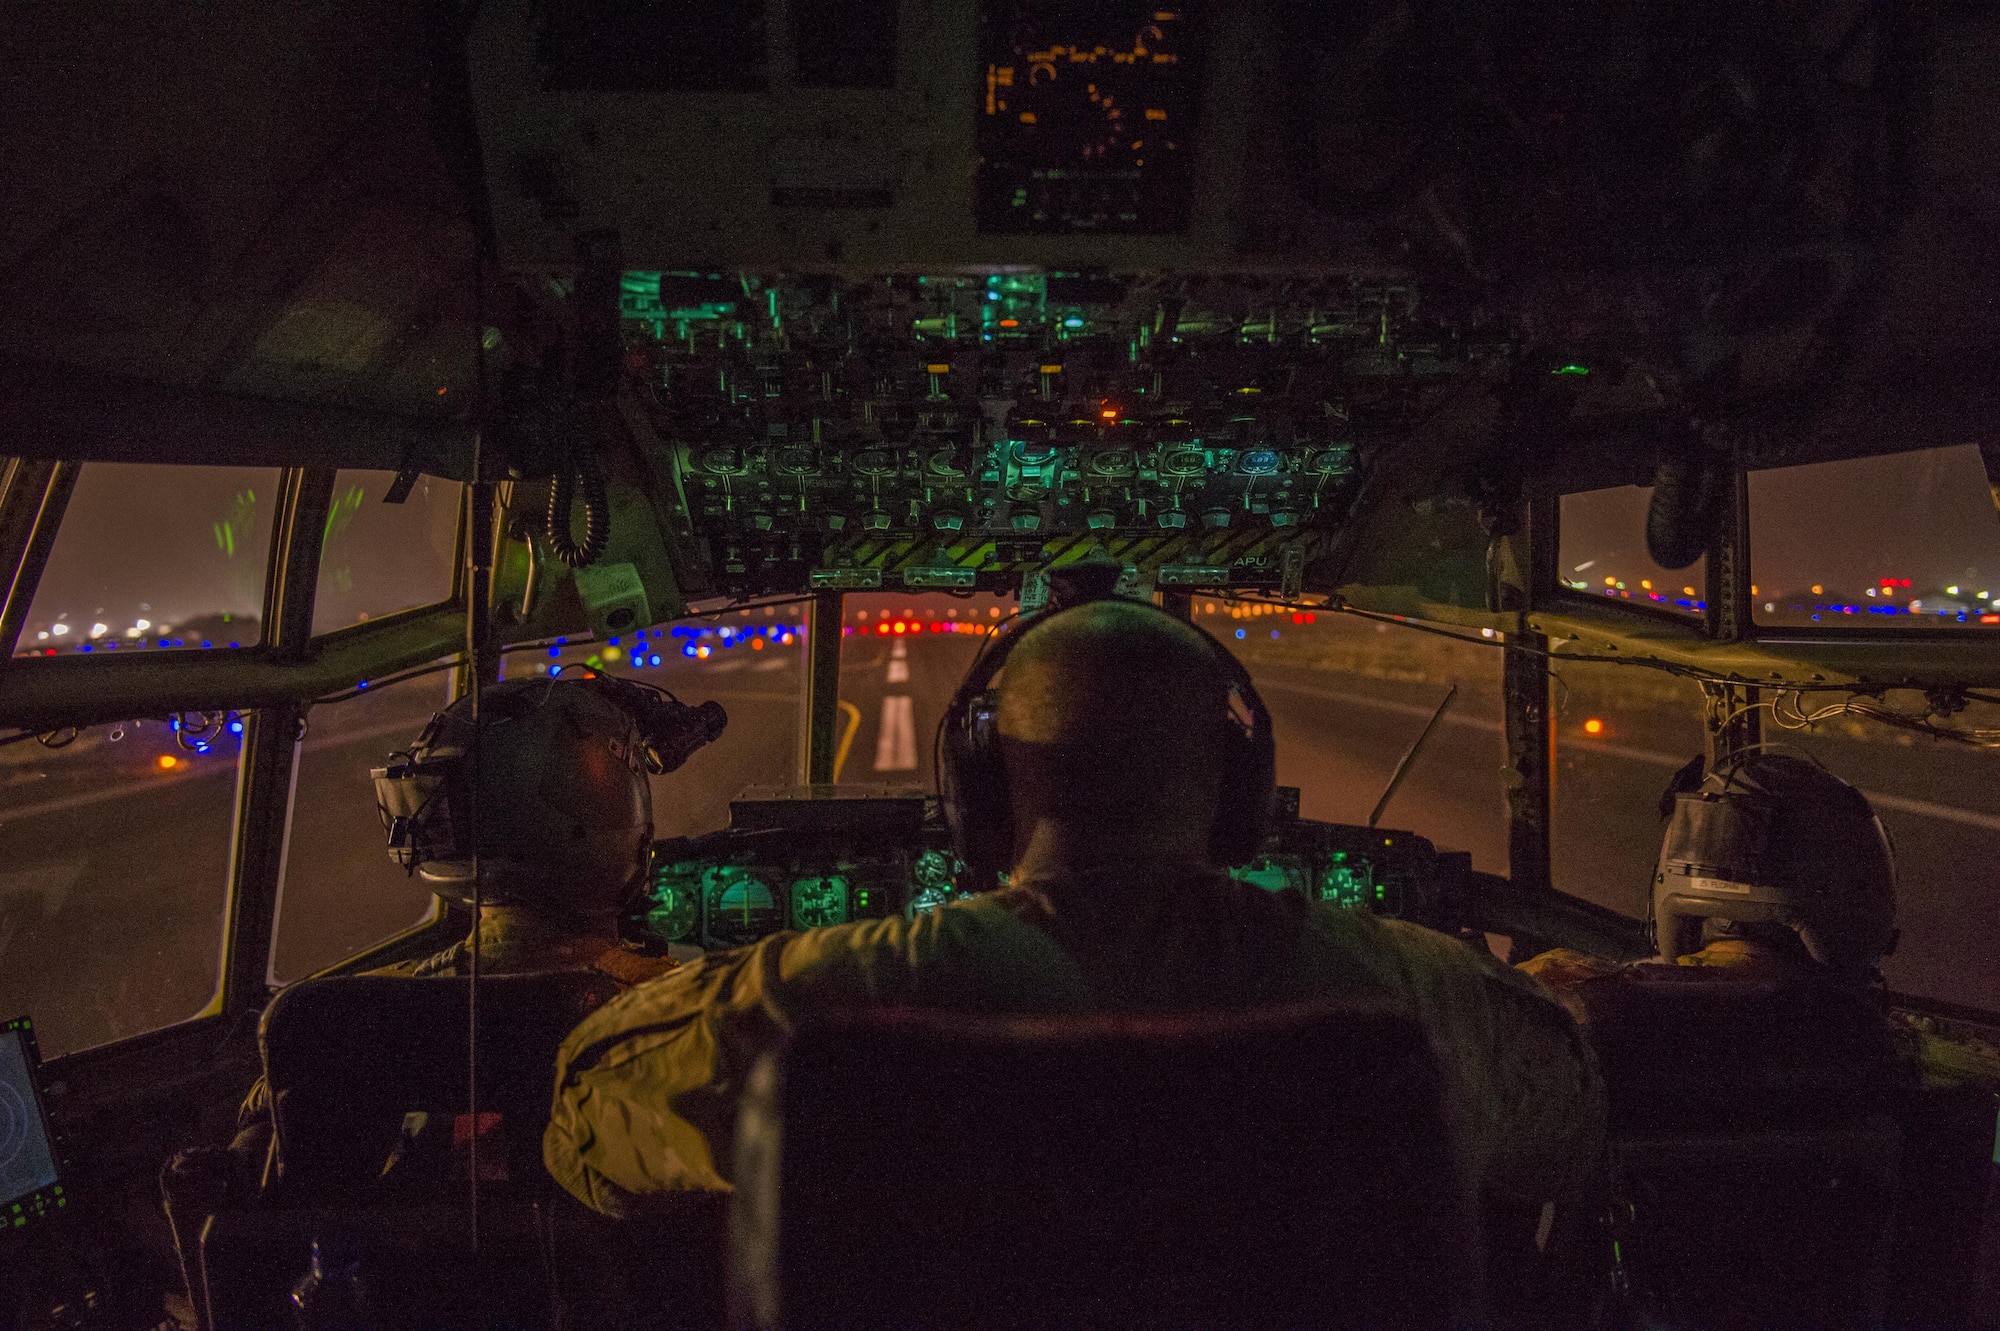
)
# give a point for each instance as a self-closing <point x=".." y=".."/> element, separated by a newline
<point x="564" y="809"/>
<point x="1775" y="839"/>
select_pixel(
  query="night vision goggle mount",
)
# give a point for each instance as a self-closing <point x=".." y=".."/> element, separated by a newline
<point x="425" y="792"/>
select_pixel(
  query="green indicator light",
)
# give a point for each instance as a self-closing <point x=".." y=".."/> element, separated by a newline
<point x="1572" y="368"/>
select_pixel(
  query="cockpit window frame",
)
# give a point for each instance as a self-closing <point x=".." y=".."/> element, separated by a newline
<point x="273" y="683"/>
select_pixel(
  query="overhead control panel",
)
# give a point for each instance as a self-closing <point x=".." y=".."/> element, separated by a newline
<point x="961" y="430"/>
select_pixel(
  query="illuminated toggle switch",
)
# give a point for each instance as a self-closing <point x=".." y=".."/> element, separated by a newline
<point x="1026" y="521"/>
<point x="1173" y="517"/>
<point x="1215" y="517"/>
<point x="1101" y="519"/>
<point x="948" y="521"/>
<point x="1284" y="518"/>
<point x="875" y="521"/>
<point x="761" y="521"/>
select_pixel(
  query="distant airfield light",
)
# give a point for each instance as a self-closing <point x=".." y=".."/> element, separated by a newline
<point x="1646" y="583"/>
<point x="1584" y="566"/>
<point x="1817" y="590"/>
<point x="99" y="630"/>
<point x="167" y="762"/>
<point x="43" y="636"/>
<point x="1689" y="591"/>
<point x="1951" y="590"/>
<point x="1486" y="633"/>
<point x="1593" y="727"/>
<point x="59" y="629"/>
<point x="142" y="624"/>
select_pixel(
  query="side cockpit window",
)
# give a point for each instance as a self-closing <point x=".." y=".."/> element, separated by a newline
<point x="380" y="557"/>
<point x="151" y="557"/>
<point x="1601" y="549"/>
<point x="114" y="865"/>
<point x="1905" y="541"/>
<point x="342" y="894"/>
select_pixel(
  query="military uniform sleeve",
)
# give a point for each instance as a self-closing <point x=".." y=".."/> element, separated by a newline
<point x="1532" y="1104"/>
<point x="647" y="1088"/>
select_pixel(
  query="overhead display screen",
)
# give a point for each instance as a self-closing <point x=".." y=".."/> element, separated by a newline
<point x="27" y="1158"/>
<point x="1087" y="116"/>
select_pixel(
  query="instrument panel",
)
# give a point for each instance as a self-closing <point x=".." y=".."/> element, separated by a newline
<point x="811" y="857"/>
<point x="956" y="431"/>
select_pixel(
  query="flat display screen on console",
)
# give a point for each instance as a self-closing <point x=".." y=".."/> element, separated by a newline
<point x="27" y="1156"/>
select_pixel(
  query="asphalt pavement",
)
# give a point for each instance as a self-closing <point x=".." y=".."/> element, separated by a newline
<point x="112" y="868"/>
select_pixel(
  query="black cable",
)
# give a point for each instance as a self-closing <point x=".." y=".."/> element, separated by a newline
<point x="582" y="466"/>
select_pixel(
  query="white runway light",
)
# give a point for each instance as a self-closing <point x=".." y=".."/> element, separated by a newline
<point x="896" y="743"/>
<point x="899" y="662"/>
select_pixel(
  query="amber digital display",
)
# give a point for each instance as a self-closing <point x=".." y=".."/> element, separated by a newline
<point x="1086" y="116"/>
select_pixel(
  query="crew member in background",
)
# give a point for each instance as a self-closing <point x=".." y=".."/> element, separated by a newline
<point x="1773" y="869"/>
<point x="1125" y="783"/>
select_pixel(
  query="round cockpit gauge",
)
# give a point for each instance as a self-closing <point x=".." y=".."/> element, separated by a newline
<point x="741" y="907"/>
<point x="819" y="901"/>
<point x="723" y="461"/>
<point x="1111" y="462"/>
<point x="1034" y="452"/>
<point x="935" y="868"/>
<point x="944" y="462"/>
<point x="1259" y="461"/>
<point x="933" y="881"/>
<point x="673" y="905"/>
<point x="1184" y="462"/>
<point x="798" y="460"/>
<point x="1332" y="461"/>
<point x="875" y="462"/>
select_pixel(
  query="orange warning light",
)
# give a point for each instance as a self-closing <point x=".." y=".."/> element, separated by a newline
<point x="1593" y="727"/>
<point x="167" y="762"/>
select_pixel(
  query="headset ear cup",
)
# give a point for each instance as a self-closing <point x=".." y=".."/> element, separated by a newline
<point x="973" y="785"/>
<point x="1248" y="797"/>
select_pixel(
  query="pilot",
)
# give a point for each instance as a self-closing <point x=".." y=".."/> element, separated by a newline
<point x="566" y="824"/>
<point x="565" y="819"/>
<point x="1125" y="782"/>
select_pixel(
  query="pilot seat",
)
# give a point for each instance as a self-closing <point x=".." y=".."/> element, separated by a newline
<point x="1292" y="1166"/>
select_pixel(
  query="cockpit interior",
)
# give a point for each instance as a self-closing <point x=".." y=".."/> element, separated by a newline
<point x="1541" y="403"/>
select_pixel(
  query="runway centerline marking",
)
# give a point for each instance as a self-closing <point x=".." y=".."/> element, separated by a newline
<point x="896" y="741"/>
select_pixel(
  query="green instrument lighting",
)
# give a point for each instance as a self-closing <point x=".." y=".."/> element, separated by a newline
<point x="1273" y="873"/>
<point x="675" y="908"/>
<point x="741" y="907"/>
<point x="1571" y="368"/>
<point x="1347" y="882"/>
<point x="820" y="901"/>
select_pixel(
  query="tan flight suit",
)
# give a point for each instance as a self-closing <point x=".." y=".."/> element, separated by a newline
<point x="648" y="1085"/>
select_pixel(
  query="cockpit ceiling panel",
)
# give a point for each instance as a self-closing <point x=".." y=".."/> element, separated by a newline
<point x="1288" y="136"/>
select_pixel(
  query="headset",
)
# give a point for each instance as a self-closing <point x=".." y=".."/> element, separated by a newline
<point x="972" y="780"/>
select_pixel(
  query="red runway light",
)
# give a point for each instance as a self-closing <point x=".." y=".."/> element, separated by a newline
<point x="901" y="627"/>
